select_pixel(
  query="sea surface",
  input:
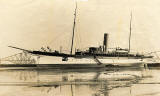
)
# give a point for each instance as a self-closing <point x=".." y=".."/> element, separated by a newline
<point x="22" y="81"/>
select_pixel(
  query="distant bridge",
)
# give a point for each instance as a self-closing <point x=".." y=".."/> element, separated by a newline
<point x="20" y="58"/>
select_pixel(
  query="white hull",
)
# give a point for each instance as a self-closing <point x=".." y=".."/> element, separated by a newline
<point x="106" y="61"/>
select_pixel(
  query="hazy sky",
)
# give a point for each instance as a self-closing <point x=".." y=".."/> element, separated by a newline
<point x="31" y="24"/>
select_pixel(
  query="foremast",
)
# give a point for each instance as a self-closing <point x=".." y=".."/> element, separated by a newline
<point x="74" y="24"/>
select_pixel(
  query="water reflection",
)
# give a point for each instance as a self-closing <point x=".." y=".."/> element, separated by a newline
<point x="80" y="82"/>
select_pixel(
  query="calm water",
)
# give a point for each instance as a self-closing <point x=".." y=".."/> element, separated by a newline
<point x="79" y="82"/>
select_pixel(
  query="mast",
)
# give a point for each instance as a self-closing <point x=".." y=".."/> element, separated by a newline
<point x="74" y="23"/>
<point x="130" y="33"/>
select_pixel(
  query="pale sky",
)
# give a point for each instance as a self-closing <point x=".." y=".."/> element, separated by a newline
<point x="32" y="24"/>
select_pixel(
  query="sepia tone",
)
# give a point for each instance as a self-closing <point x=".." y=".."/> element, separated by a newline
<point x="79" y="48"/>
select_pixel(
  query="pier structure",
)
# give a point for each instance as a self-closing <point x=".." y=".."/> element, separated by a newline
<point x="19" y="58"/>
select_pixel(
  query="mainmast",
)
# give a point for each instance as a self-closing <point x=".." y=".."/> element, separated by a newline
<point x="130" y="33"/>
<point x="74" y="23"/>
